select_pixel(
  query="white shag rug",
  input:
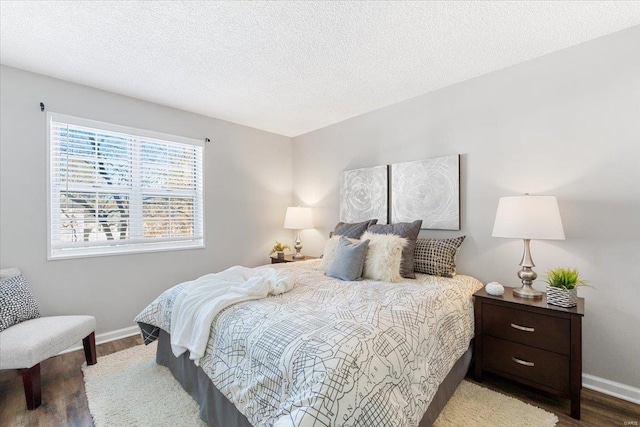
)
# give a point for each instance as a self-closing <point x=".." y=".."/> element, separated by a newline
<point x="472" y="405"/>
<point x="128" y="388"/>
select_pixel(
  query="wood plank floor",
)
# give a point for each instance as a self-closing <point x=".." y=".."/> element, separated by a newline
<point x="64" y="402"/>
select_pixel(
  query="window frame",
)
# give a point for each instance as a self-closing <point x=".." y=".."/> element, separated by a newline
<point x="134" y="245"/>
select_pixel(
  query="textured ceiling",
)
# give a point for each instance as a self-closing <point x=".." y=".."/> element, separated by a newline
<point x="290" y="67"/>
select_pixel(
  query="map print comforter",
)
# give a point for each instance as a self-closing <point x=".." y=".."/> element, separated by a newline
<point x="334" y="353"/>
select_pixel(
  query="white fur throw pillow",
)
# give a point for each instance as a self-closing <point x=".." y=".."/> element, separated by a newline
<point x="383" y="257"/>
<point x="330" y="251"/>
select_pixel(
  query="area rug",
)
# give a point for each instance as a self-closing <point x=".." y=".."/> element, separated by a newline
<point x="472" y="405"/>
<point x="128" y="388"/>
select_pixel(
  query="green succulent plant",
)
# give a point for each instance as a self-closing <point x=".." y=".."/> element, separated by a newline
<point x="565" y="278"/>
<point x="279" y="247"/>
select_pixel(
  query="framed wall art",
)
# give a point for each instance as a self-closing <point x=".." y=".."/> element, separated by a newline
<point x="428" y="190"/>
<point x="364" y="194"/>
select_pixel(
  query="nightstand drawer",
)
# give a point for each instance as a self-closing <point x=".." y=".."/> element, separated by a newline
<point x="537" y="330"/>
<point x="539" y="366"/>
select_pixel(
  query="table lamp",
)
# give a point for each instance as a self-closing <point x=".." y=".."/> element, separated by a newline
<point x="298" y="218"/>
<point x="528" y="217"/>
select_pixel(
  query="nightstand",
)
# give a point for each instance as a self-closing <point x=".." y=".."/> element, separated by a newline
<point x="530" y="342"/>
<point x="289" y="258"/>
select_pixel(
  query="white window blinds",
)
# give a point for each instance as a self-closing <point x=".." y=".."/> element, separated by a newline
<point x="115" y="189"/>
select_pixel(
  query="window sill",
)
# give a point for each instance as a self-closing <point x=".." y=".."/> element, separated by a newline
<point x="100" y="252"/>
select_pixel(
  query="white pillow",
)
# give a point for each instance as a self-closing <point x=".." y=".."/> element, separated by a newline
<point x="383" y="256"/>
<point x="330" y="251"/>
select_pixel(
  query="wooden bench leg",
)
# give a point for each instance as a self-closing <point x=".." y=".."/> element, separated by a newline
<point x="89" y="344"/>
<point x="31" y="382"/>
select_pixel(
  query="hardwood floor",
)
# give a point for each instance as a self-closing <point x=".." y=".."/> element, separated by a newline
<point x="64" y="402"/>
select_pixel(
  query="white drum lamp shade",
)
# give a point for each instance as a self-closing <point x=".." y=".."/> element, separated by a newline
<point x="528" y="217"/>
<point x="298" y="218"/>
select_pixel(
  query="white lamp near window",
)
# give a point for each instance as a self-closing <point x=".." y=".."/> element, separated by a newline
<point x="528" y="217"/>
<point x="298" y="218"/>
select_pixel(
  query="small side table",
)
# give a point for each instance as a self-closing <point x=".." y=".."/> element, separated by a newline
<point x="531" y="342"/>
<point x="289" y="258"/>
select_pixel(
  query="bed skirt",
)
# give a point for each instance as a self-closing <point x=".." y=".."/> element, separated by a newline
<point x="217" y="411"/>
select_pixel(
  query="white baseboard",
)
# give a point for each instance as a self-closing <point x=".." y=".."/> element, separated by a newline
<point x="602" y="385"/>
<point x="612" y="388"/>
<point x="106" y="337"/>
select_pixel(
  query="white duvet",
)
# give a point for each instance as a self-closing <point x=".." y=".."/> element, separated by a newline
<point x="202" y="299"/>
<point x="335" y="353"/>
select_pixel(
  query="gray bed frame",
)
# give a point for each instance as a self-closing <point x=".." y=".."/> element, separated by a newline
<point x="217" y="411"/>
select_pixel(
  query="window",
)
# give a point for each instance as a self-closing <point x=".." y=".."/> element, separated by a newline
<point x="115" y="189"/>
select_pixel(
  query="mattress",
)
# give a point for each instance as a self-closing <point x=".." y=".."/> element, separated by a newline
<point x="331" y="352"/>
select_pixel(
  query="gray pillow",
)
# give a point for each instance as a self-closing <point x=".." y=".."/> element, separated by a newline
<point x="353" y="230"/>
<point x="348" y="260"/>
<point x="437" y="257"/>
<point x="408" y="230"/>
<point x="16" y="302"/>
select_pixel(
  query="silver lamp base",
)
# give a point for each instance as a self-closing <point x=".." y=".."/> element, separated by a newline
<point x="527" y="275"/>
<point x="298" y="247"/>
<point x="526" y="291"/>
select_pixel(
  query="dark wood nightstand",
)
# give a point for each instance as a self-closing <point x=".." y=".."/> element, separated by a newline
<point x="530" y="342"/>
<point x="289" y="258"/>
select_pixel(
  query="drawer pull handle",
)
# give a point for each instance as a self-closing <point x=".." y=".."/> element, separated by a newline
<point x="522" y="362"/>
<point x="522" y="328"/>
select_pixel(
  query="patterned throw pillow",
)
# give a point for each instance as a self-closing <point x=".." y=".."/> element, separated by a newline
<point x="355" y="230"/>
<point x="408" y="230"/>
<point x="349" y="260"/>
<point x="437" y="257"/>
<point x="16" y="302"/>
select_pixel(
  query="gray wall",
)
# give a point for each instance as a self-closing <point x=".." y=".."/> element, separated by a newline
<point x="247" y="189"/>
<point x="567" y="124"/>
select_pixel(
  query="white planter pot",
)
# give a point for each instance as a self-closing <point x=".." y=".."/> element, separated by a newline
<point x="562" y="297"/>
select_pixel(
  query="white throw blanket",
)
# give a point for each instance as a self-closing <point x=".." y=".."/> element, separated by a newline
<point x="202" y="299"/>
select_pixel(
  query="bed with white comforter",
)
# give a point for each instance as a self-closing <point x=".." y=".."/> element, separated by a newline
<point x="330" y="352"/>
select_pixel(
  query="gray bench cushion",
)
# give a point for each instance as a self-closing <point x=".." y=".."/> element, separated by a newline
<point x="29" y="343"/>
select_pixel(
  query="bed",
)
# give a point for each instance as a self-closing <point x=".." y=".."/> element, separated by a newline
<point x="328" y="352"/>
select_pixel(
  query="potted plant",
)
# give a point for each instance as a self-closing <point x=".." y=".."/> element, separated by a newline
<point x="562" y="286"/>
<point x="279" y="249"/>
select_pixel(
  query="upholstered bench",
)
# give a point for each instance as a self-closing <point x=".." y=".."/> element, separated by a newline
<point x="25" y="344"/>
